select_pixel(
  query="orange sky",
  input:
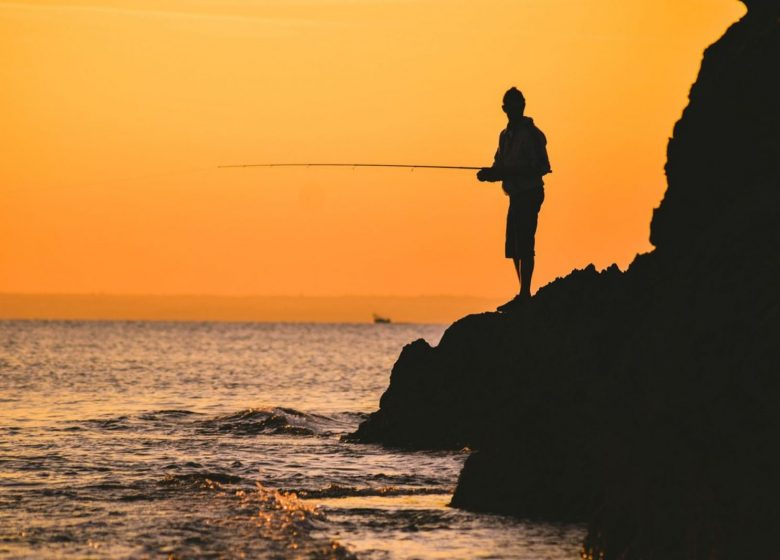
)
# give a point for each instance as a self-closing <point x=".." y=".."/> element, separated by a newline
<point x="114" y="114"/>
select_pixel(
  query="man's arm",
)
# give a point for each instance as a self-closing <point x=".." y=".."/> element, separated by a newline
<point x="496" y="172"/>
<point x="490" y="174"/>
<point x="524" y="171"/>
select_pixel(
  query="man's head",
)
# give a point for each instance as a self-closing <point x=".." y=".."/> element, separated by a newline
<point x="514" y="103"/>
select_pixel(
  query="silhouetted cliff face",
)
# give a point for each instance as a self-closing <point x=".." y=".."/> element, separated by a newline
<point x="697" y="474"/>
<point x="724" y="156"/>
<point x="645" y="402"/>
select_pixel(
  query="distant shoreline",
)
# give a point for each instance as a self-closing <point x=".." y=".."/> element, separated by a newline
<point x="266" y="309"/>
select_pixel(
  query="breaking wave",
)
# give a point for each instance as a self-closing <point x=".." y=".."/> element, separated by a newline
<point x="252" y="421"/>
<point x="248" y="422"/>
<point x="340" y="491"/>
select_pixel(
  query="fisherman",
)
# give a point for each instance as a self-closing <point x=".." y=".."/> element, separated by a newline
<point x="520" y="163"/>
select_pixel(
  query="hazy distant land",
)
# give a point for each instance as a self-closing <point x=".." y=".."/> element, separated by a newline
<point x="352" y="309"/>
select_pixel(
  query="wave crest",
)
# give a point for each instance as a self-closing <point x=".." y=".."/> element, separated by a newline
<point x="254" y="421"/>
<point x="341" y="491"/>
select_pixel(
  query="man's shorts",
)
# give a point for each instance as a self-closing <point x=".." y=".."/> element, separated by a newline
<point x="521" y="223"/>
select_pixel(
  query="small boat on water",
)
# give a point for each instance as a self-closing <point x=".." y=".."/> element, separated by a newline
<point x="381" y="320"/>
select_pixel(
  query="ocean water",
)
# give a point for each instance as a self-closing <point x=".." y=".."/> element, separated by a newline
<point x="222" y="440"/>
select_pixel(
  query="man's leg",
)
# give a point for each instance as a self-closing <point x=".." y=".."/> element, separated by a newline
<point x="525" y="273"/>
<point x="517" y="270"/>
<point x="512" y="302"/>
<point x="527" y="261"/>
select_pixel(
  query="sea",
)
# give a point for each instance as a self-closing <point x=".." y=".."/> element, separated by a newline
<point x="224" y="440"/>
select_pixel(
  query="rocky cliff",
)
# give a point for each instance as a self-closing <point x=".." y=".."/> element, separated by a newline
<point x="644" y="402"/>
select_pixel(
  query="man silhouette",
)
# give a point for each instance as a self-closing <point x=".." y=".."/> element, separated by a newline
<point x="520" y="163"/>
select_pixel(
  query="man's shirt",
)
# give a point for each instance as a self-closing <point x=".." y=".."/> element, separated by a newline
<point x="522" y="146"/>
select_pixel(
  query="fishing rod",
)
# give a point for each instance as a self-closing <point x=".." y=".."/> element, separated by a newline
<point x="404" y="166"/>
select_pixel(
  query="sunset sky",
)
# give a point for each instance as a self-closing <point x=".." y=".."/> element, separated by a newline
<point x="115" y="114"/>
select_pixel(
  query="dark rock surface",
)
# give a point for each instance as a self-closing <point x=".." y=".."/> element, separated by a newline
<point x="644" y="402"/>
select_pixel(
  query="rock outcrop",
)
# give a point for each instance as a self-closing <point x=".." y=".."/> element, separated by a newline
<point x="644" y="402"/>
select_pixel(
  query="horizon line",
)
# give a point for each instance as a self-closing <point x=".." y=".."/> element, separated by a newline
<point x="437" y="309"/>
<point x="240" y="296"/>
